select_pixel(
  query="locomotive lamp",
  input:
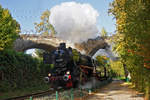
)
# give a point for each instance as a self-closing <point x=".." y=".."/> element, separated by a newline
<point x="49" y="74"/>
<point x="68" y="72"/>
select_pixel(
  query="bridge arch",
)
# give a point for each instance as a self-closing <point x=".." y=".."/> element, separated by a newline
<point x="97" y="48"/>
<point x="29" y="41"/>
<point x="49" y="43"/>
<point x="93" y="45"/>
<point x="21" y="45"/>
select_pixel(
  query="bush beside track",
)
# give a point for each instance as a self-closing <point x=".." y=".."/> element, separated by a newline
<point x="20" y="71"/>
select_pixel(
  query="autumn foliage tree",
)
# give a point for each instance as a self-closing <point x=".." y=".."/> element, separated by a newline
<point x="9" y="29"/>
<point x="103" y="32"/>
<point x="133" y="39"/>
<point x="45" y="27"/>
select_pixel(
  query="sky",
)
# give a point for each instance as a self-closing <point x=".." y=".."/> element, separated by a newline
<point x="27" y="12"/>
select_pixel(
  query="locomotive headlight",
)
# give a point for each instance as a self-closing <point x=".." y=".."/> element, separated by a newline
<point x="68" y="72"/>
<point x="49" y="74"/>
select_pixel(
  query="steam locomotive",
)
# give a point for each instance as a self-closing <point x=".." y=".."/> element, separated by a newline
<point x="70" y="68"/>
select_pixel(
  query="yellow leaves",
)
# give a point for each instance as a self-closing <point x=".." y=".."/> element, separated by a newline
<point x="41" y="23"/>
<point x="1" y="48"/>
<point x="6" y="13"/>
<point x="45" y="15"/>
<point x="119" y="47"/>
<point x="9" y="29"/>
<point x="122" y="2"/>
<point x="102" y="59"/>
<point x="132" y="19"/>
<point x="42" y="17"/>
<point x="105" y="58"/>
<point x="103" y="32"/>
<point x="44" y="27"/>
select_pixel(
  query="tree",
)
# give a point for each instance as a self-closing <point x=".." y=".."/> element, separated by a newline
<point x="39" y="53"/>
<point x="103" y="32"/>
<point x="44" y="27"/>
<point x="132" y="43"/>
<point x="9" y="29"/>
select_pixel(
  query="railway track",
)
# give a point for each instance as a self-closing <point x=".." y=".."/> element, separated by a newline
<point x="34" y="95"/>
<point x="51" y="92"/>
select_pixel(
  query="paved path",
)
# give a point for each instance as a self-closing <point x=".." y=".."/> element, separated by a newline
<point x="117" y="90"/>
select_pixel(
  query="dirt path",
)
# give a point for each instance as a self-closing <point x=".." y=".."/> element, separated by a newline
<point x="117" y="90"/>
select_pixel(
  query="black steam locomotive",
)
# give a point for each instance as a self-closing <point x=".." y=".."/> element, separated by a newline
<point x="69" y="69"/>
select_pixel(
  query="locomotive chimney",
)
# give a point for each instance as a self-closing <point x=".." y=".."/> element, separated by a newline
<point x="62" y="45"/>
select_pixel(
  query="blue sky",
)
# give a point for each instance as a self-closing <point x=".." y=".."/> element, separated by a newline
<point x="27" y="12"/>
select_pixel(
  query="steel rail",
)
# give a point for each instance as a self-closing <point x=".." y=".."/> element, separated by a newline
<point x="33" y="95"/>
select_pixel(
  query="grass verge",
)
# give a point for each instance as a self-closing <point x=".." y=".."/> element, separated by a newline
<point x="25" y="91"/>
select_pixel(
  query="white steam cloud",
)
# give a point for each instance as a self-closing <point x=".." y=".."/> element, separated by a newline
<point x="74" y="21"/>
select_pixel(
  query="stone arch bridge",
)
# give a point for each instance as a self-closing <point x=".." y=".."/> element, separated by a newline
<point x="48" y="43"/>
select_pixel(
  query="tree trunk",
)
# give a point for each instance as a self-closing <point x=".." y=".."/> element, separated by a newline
<point x="1" y="75"/>
<point x="125" y="71"/>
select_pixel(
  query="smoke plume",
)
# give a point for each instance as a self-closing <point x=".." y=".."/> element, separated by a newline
<point x="74" y="22"/>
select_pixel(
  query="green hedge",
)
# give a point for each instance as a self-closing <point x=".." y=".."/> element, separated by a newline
<point x="19" y="70"/>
